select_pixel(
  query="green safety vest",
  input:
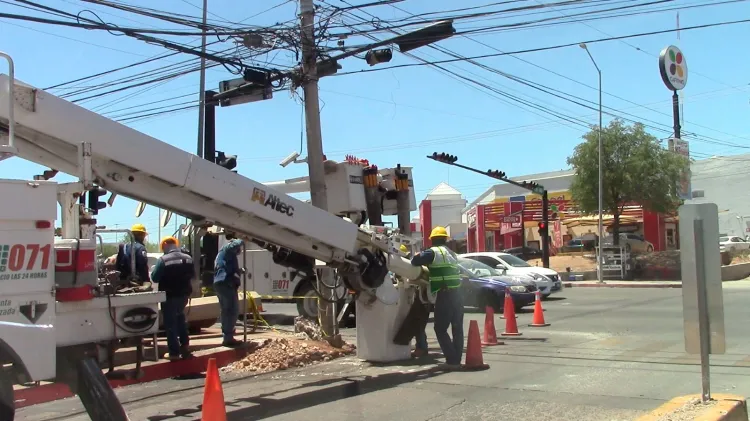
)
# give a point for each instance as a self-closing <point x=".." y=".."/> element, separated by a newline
<point x="444" y="272"/>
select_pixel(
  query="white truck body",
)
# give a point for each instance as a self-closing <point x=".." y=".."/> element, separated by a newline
<point x="32" y="323"/>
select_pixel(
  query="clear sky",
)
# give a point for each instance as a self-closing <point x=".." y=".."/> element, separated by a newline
<point x="400" y="115"/>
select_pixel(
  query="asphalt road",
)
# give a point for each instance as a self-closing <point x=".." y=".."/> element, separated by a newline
<point x="610" y="354"/>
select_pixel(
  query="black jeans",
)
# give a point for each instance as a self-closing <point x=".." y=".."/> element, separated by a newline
<point x="175" y="324"/>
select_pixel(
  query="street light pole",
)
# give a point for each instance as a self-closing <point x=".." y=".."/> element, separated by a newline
<point x="601" y="178"/>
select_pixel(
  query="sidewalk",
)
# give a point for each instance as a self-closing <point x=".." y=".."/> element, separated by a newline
<point x="623" y="284"/>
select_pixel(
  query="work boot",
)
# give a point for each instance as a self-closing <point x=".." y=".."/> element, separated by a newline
<point x="450" y="367"/>
<point x="231" y="343"/>
<point x="185" y="352"/>
<point x="171" y="357"/>
<point x="419" y="353"/>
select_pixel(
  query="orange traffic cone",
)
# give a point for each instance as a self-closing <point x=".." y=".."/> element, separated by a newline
<point x="511" y="327"/>
<point x="538" y="320"/>
<point x="490" y="334"/>
<point x="508" y="303"/>
<point x="474" y="360"/>
<point x="213" y="395"/>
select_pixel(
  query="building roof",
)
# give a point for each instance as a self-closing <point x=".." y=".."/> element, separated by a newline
<point x="553" y="181"/>
<point x="444" y="189"/>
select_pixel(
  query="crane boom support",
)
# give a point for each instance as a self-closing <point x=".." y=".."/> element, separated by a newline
<point x="50" y="130"/>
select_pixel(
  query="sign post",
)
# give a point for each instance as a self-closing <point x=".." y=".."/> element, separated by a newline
<point x="702" y="299"/>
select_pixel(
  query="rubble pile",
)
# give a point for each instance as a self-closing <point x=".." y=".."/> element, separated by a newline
<point x="308" y="327"/>
<point x="283" y="353"/>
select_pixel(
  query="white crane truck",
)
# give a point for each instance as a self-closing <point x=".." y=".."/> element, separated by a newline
<point x="57" y="317"/>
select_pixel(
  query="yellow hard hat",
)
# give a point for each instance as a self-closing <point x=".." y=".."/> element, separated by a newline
<point x="439" y="232"/>
<point x="138" y="228"/>
<point x="403" y="249"/>
<point x="169" y="240"/>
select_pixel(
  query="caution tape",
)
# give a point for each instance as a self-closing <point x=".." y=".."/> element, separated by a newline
<point x="286" y="297"/>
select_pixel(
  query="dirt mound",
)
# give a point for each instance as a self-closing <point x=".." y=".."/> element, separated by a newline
<point x="281" y="354"/>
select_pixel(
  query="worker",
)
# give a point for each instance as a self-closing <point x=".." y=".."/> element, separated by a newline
<point x="123" y="262"/>
<point x="420" y="350"/>
<point x="174" y="272"/>
<point x="445" y="281"/>
<point x="227" y="281"/>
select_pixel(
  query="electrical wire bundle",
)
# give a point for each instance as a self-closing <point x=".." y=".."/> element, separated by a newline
<point x="344" y="26"/>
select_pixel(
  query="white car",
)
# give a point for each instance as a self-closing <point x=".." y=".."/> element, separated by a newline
<point x="547" y="280"/>
<point x="733" y="243"/>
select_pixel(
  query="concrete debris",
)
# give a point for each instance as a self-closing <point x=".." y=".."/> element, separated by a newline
<point x="282" y="353"/>
<point x="689" y="411"/>
<point x="308" y="327"/>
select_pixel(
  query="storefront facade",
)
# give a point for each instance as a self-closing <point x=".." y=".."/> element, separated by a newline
<point x="502" y="218"/>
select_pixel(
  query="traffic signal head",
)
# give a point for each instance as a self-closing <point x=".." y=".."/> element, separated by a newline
<point x="374" y="57"/>
<point x="542" y="226"/>
<point x="444" y="157"/>
<point x="529" y="184"/>
<point x="496" y="174"/>
<point x="94" y="203"/>
<point x="228" y="162"/>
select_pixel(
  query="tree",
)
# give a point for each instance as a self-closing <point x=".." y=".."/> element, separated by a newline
<point x="636" y="169"/>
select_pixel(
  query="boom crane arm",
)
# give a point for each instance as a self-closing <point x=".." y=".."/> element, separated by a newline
<point x="52" y="132"/>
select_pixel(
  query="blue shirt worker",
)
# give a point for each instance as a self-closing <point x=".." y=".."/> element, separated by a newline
<point x="227" y="281"/>
<point x="445" y="281"/>
<point x="124" y="255"/>
<point x="174" y="272"/>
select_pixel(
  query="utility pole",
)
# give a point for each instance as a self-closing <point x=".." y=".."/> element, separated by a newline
<point x="315" y="157"/>
<point x="545" y="233"/>
<point x="195" y="238"/>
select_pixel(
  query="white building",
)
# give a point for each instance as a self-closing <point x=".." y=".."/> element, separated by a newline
<point x="723" y="180"/>
<point x="443" y="206"/>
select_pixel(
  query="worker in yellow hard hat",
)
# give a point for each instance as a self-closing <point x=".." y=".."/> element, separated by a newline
<point x="445" y="282"/>
<point x="174" y="271"/>
<point x="123" y="263"/>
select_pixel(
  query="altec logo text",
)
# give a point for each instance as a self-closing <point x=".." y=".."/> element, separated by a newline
<point x="272" y="201"/>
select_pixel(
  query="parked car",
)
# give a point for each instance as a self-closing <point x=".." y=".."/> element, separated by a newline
<point x="484" y="286"/>
<point x="632" y="242"/>
<point x="546" y="280"/>
<point x="524" y="253"/>
<point x="733" y="243"/>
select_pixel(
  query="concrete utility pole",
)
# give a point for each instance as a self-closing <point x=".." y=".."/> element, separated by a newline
<point x="195" y="237"/>
<point x="318" y="194"/>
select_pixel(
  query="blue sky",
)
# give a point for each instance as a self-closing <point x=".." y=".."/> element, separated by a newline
<point x="401" y="115"/>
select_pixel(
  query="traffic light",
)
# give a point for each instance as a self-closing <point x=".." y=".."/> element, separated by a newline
<point x="542" y="228"/>
<point x="529" y="185"/>
<point x="374" y="57"/>
<point x="444" y="158"/>
<point x="496" y="174"/>
<point x="93" y="199"/>
<point x="228" y="162"/>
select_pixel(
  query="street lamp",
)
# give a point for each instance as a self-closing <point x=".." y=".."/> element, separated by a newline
<point x="601" y="178"/>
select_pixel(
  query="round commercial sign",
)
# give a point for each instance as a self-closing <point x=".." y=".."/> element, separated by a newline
<point x="673" y="68"/>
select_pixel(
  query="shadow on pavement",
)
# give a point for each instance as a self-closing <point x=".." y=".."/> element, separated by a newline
<point x="267" y="405"/>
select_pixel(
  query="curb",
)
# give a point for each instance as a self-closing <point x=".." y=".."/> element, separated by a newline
<point x="634" y="284"/>
<point x="727" y="408"/>
<point x="158" y="371"/>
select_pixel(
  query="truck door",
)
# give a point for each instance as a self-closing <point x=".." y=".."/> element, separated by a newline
<point x="27" y="273"/>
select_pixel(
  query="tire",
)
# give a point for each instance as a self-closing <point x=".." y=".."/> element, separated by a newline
<point x="627" y="247"/>
<point x="7" y="406"/>
<point x="96" y="394"/>
<point x="307" y="307"/>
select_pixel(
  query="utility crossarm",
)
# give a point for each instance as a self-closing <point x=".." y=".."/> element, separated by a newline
<point x="49" y="131"/>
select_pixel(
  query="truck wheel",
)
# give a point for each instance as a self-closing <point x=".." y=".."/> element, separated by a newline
<point x="307" y="306"/>
<point x="96" y="394"/>
<point x="7" y="406"/>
